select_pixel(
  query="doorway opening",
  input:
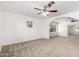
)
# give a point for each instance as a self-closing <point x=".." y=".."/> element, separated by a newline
<point x="53" y="30"/>
<point x="73" y="30"/>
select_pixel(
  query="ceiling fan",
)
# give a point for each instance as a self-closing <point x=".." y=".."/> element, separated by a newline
<point x="47" y="9"/>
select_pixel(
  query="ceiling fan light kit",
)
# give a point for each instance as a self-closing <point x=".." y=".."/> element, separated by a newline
<point x="45" y="13"/>
<point x="47" y="9"/>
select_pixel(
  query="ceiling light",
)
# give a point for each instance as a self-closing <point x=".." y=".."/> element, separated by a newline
<point x="45" y="13"/>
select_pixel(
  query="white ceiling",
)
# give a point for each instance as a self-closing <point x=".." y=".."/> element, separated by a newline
<point x="27" y="7"/>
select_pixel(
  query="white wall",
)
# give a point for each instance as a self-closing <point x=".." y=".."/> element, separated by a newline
<point x="62" y="29"/>
<point x="65" y="29"/>
<point x="0" y="26"/>
<point x="0" y="29"/>
<point x="45" y="29"/>
<point x="15" y="29"/>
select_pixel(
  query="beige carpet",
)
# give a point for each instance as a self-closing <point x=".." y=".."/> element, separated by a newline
<point x="55" y="47"/>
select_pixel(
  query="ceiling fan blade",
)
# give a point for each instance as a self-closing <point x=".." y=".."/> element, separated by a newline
<point x="38" y="9"/>
<point x="39" y="13"/>
<point x="51" y="3"/>
<point x="52" y="11"/>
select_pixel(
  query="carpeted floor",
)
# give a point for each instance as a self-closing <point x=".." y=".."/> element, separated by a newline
<point x="55" y="47"/>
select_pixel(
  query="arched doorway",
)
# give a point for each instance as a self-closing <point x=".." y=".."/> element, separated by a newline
<point x="61" y="27"/>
